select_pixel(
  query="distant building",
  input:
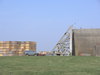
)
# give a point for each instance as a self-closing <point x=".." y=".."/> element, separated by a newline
<point x="79" y="42"/>
<point x="86" y="42"/>
<point x="16" y="48"/>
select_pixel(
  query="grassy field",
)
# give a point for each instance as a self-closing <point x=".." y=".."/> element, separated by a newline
<point x="49" y="65"/>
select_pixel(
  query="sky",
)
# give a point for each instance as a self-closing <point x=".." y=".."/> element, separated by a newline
<point x="45" y="21"/>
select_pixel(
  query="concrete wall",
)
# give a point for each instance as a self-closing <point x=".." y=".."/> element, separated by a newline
<point x="86" y="42"/>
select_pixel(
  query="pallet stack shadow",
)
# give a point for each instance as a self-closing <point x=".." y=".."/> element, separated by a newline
<point x="16" y="48"/>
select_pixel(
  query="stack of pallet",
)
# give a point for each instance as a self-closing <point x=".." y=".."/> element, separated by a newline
<point x="13" y="48"/>
<point x="4" y="48"/>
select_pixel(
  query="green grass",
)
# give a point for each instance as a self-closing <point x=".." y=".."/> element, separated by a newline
<point x="49" y="65"/>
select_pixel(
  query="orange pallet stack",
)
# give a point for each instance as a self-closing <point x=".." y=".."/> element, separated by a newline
<point x="16" y="48"/>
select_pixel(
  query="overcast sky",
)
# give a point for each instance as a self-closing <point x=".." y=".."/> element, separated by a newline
<point x="45" y="21"/>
